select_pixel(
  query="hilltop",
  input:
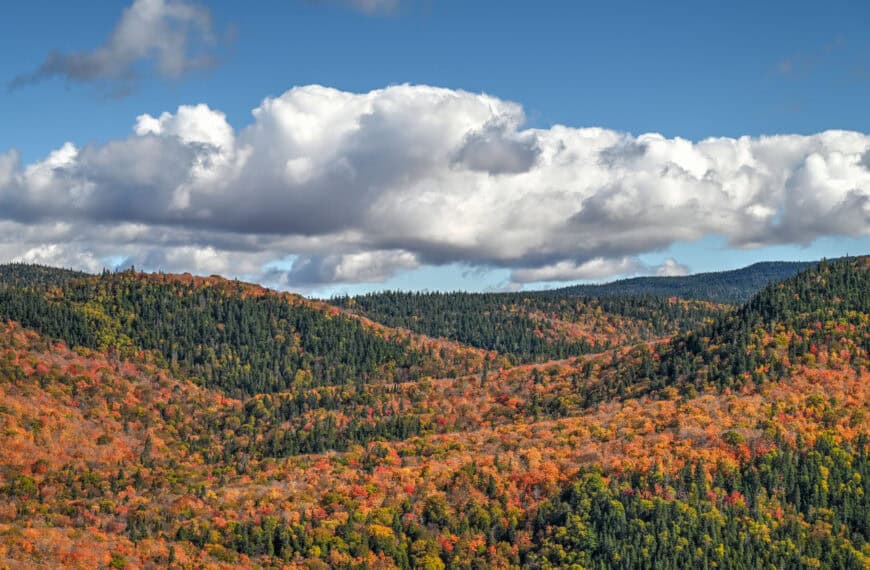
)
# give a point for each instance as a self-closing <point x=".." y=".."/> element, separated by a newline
<point x="32" y="275"/>
<point x="240" y="338"/>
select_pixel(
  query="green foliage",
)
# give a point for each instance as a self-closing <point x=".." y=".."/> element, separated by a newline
<point x="32" y="309"/>
<point x="239" y="344"/>
<point x="31" y="275"/>
<point x="20" y="486"/>
<point x="786" y="509"/>
<point x="530" y="326"/>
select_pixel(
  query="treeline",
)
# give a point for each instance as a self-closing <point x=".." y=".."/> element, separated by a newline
<point x="33" y="275"/>
<point x="734" y="287"/>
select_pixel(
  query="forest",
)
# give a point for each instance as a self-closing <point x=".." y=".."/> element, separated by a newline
<point x="529" y="327"/>
<point x="29" y="275"/>
<point x="155" y="420"/>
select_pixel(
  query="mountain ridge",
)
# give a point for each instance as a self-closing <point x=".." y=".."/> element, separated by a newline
<point x="728" y="286"/>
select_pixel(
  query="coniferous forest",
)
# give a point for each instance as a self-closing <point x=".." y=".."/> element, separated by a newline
<point x="536" y="326"/>
<point x="155" y="420"/>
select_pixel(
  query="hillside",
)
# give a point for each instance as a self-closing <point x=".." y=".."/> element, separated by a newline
<point x="786" y="324"/>
<point x="742" y="443"/>
<point x="533" y="327"/>
<point x="735" y="287"/>
<point x="239" y="338"/>
<point x="816" y="317"/>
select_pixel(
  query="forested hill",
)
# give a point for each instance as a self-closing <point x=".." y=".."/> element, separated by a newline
<point x="540" y="325"/>
<point x="822" y="312"/>
<point x="734" y="287"/>
<point x="533" y="327"/>
<point x="819" y="317"/>
<point x="31" y="275"/>
<point x="817" y="320"/>
<point x="799" y="337"/>
<point x="235" y="337"/>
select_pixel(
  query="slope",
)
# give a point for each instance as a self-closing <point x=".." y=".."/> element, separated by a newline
<point x="533" y="327"/>
<point x="240" y="338"/>
<point x="820" y="314"/>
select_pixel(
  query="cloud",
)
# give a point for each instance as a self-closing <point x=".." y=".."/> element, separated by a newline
<point x="671" y="268"/>
<point x="59" y="256"/>
<point x="359" y="186"/>
<point x="367" y="266"/>
<point x="597" y="268"/>
<point x="497" y="149"/>
<point x="175" y="36"/>
<point x="369" y="7"/>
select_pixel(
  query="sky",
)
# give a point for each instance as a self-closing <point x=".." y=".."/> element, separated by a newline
<point x="347" y="146"/>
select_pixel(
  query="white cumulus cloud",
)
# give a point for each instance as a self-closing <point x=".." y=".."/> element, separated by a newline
<point x="359" y="186"/>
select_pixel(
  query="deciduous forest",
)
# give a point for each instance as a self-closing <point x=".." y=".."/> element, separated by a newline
<point x="156" y="420"/>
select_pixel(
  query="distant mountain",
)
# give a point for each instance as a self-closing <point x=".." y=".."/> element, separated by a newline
<point x="31" y="275"/>
<point x="735" y="287"/>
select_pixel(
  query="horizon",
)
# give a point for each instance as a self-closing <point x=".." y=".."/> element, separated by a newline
<point x="603" y="283"/>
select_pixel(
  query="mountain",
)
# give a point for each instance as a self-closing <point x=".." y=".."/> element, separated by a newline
<point x="795" y="337"/>
<point x="736" y="286"/>
<point x="741" y="440"/>
<point x="541" y="325"/>
<point x="819" y="313"/>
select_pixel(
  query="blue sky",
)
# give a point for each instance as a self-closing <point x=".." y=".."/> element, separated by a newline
<point x="683" y="69"/>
